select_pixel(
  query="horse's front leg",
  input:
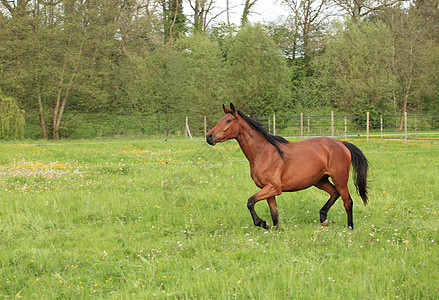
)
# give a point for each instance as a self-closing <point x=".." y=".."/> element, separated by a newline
<point x="269" y="191"/>
<point x="273" y="210"/>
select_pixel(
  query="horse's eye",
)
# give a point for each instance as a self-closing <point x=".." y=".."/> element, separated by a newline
<point x="228" y="121"/>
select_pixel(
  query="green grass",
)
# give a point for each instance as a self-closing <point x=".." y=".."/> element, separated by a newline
<point x="121" y="219"/>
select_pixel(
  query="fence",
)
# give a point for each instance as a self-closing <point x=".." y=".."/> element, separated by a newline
<point x="301" y="126"/>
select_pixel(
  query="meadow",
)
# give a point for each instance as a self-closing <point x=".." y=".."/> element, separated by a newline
<point x="145" y="219"/>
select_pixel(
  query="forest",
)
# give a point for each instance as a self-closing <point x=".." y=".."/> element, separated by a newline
<point x="68" y="65"/>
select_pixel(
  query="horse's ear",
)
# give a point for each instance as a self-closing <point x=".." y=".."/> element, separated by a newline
<point x="232" y="108"/>
<point x="225" y="109"/>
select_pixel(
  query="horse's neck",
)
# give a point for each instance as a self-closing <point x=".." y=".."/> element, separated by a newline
<point x="252" y="143"/>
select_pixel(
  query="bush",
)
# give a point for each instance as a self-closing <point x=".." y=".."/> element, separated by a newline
<point x="11" y="118"/>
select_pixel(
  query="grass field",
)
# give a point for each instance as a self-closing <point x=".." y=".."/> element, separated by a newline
<point x="121" y="219"/>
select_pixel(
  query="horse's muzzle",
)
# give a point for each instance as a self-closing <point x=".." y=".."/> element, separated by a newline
<point x="211" y="139"/>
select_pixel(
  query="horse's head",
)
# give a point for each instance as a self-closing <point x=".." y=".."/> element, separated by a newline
<point x="227" y="127"/>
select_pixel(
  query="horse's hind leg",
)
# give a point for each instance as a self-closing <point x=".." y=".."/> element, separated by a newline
<point x="325" y="185"/>
<point x="348" y="204"/>
<point x="341" y="184"/>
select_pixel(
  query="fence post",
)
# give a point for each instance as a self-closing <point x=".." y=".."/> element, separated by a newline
<point x="345" y="127"/>
<point x="405" y="127"/>
<point x="186" y="127"/>
<point x="274" y="124"/>
<point x="381" y="122"/>
<point x="301" y="126"/>
<point x="416" y="126"/>
<point x="367" y="126"/>
<point x="269" y="125"/>
<point x="332" y="123"/>
<point x="205" y="125"/>
<point x="309" y="125"/>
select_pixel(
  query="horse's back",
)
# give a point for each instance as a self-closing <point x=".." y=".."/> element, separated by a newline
<point x="323" y="147"/>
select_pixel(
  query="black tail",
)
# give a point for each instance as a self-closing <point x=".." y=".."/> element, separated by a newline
<point x="361" y="166"/>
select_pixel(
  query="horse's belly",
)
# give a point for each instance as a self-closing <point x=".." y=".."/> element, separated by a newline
<point x="295" y="187"/>
<point x="298" y="181"/>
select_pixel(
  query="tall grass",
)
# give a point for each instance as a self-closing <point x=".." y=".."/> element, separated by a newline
<point x="154" y="219"/>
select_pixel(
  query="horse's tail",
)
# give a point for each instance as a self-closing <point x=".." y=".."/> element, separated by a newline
<point x="361" y="166"/>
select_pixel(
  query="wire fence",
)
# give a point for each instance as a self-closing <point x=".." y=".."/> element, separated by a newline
<point x="408" y="126"/>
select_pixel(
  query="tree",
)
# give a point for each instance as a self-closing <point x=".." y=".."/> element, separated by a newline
<point x="155" y="85"/>
<point x="202" y="66"/>
<point x="248" y="5"/>
<point x="358" y="9"/>
<point x="258" y="77"/>
<point x="11" y="118"/>
<point x="307" y="17"/>
<point x="64" y="53"/>
<point x="414" y="65"/>
<point x="203" y="13"/>
<point x="178" y="79"/>
<point x="414" y="59"/>
<point x="356" y="66"/>
<point x="173" y="18"/>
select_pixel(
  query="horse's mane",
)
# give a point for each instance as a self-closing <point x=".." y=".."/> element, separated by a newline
<point x="275" y="140"/>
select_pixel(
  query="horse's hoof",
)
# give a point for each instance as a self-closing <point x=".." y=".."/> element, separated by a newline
<point x="325" y="223"/>
<point x="266" y="225"/>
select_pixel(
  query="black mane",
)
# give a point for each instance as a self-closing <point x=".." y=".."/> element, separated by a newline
<point x="275" y="140"/>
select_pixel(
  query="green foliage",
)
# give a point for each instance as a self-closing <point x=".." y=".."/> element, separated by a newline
<point x="12" y="118"/>
<point x="356" y="65"/>
<point x="223" y="34"/>
<point x="429" y="95"/>
<point x="201" y="68"/>
<point x="173" y="19"/>
<point x="87" y="58"/>
<point x="61" y="60"/>
<point x="308" y="90"/>
<point x="258" y="76"/>
<point x="185" y="76"/>
<point x="147" y="219"/>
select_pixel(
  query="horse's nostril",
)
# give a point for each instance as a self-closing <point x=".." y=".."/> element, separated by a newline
<point x="209" y="138"/>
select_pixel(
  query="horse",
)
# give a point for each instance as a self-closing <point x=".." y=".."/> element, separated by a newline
<point x="277" y="165"/>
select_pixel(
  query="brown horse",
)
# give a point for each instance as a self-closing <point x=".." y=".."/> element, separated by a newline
<point x="277" y="165"/>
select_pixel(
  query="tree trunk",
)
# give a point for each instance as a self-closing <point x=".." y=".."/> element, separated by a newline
<point x="247" y="7"/>
<point x="177" y="5"/>
<point x="60" y="106"/>
<point x="60" y="88"/>
<point x="405" y="103"/>
<point x="40" y="108"/>
<point x="37" y="82"/>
